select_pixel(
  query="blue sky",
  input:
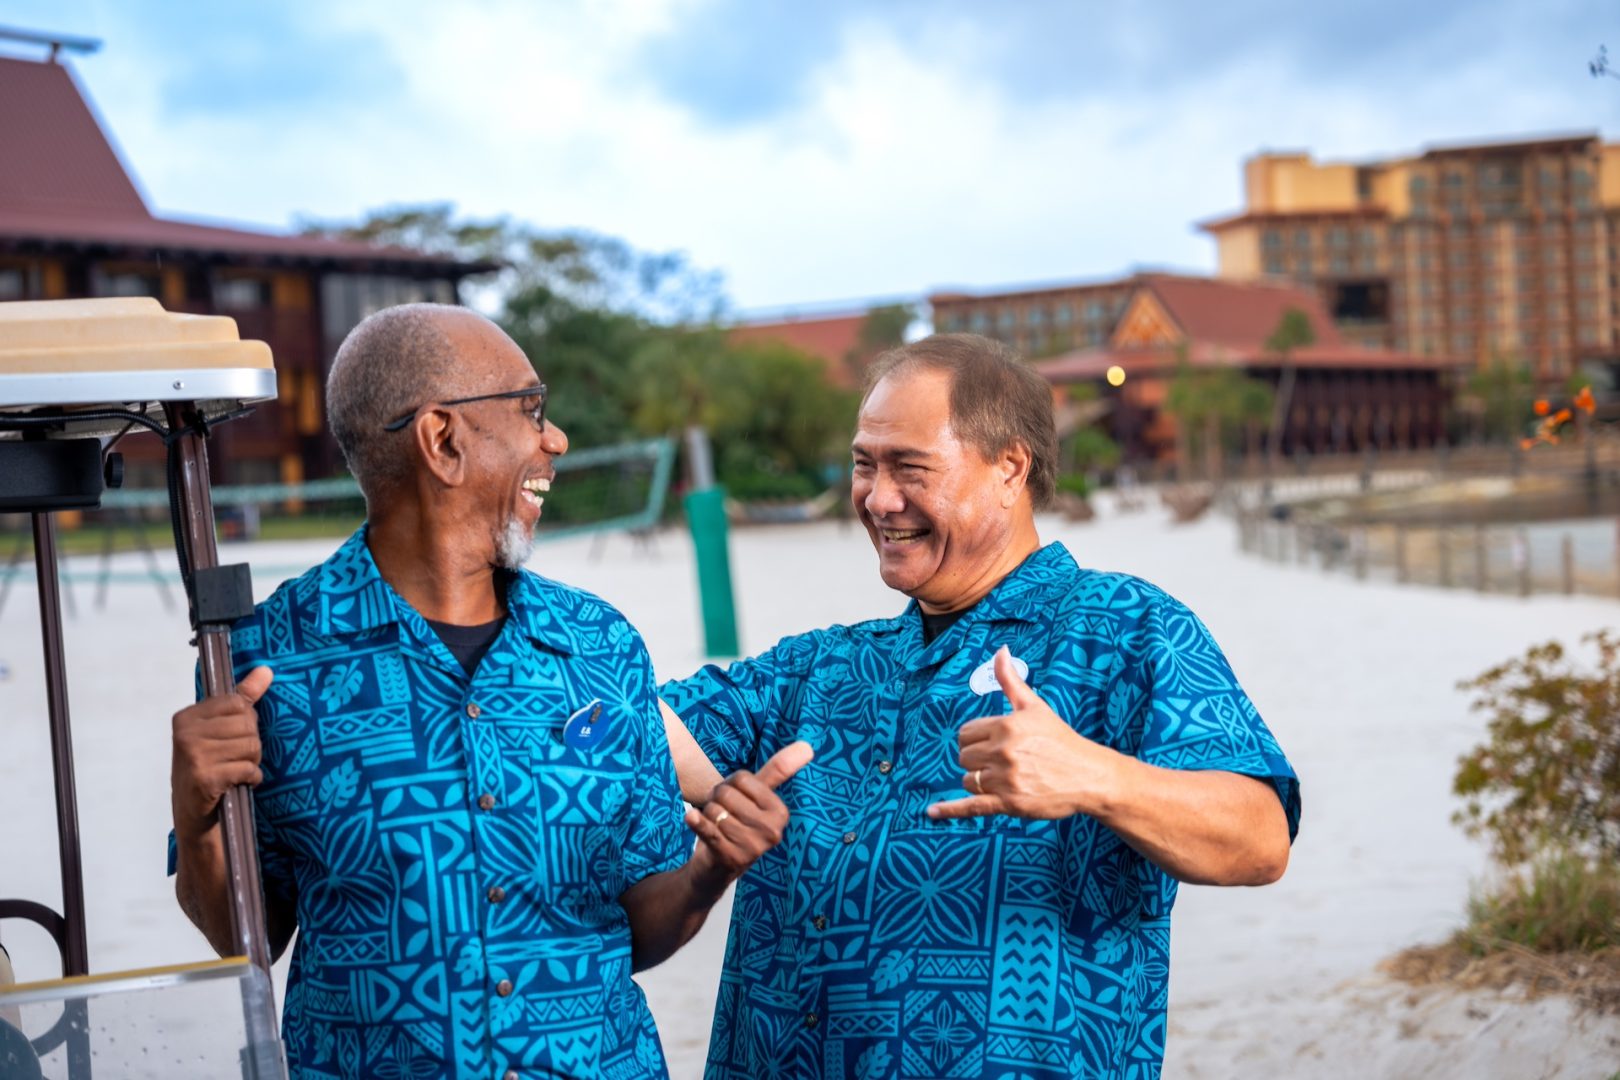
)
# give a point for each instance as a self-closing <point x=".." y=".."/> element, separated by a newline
<point x="814" y="151"/>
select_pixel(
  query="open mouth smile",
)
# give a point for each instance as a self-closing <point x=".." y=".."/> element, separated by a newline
<point x="534" y="491"/>
<point x="902" y="536"/>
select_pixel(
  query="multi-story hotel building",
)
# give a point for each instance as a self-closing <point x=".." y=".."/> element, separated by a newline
<point x="1499" y="250"/>
<point x="1037" y="321"/>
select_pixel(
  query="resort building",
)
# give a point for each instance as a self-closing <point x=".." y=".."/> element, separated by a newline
<point x="74" y="224"/>
<point x="1489" y="251"/>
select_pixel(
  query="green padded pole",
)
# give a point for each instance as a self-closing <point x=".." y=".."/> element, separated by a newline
<point x="706" y="517"/>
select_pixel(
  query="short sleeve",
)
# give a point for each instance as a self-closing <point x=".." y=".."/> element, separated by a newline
<point x="1199" y="717"/>
<point x="727" y="710"/>
<point x="658" y="839"/>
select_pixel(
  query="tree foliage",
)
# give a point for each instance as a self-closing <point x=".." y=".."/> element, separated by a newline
<point x="1501" y="396"/>
<point x="1211" y="404"/>
<point x="1293" y="331"/>
<point x="1548" y="777"/>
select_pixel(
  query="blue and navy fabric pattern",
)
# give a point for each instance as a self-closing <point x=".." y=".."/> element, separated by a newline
<point x="454" y="857"/>
<point x="876" y="943"/>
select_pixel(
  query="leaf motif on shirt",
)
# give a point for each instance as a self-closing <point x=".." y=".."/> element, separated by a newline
<point x="1111" y="948"/>
<point x="341" y="684"/>
<point x="892" y="969"/>
<point x="340" y="784"/>
<point x="874" y="1063"/>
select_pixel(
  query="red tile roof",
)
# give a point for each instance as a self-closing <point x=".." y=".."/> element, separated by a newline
<point x="832" y="338"/>
<point x="57" y="159"/>
<point x="1226" y="324"/>
<point x="1237" y="314"/>
<point x="62" y="181"/>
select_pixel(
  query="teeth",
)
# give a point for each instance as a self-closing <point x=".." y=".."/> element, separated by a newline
<point x="899" y="535"/>
<point x="538" y="485"/>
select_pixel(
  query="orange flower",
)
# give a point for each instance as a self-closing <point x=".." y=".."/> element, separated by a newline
<point x="1561" y="416"/>
<point x="1525" y="444"/>
<point x="1542" y="408"/>
<point x="1585" y="401"/>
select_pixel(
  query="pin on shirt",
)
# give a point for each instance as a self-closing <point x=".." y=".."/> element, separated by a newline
<point x="586" y="726"/>
<point x="983" y="680"/>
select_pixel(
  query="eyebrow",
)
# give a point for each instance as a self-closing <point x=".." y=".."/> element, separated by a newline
<point x="899" y="454"/>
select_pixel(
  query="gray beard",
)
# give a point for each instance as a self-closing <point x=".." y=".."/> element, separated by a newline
<point x="513" y="544"/>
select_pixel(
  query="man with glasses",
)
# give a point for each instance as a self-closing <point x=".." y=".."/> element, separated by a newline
<point x="464" y="798"/>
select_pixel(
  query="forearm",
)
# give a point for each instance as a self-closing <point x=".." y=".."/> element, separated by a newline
<point x="200" y="886"/>
<point x="1200" y="827"/>
<point x="665" y="911"/>
<point x="696" y="773"/>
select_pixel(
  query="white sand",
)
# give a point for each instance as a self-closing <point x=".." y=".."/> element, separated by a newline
<point x="1356" y="680"/>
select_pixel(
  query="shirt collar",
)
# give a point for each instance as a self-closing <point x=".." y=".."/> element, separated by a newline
<point x="1025" y="595"/>
<point x="353" y="599"/>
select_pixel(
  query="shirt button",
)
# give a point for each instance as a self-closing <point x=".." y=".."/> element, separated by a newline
<point x="496" y="894"/>
<point x="504" y="987"/>
<point x="849" y="838"/>
<point x="885" y="767"/>
<point x="811" y="1020"/>
<point x="486" y="801"/>
<point x="473" y="710"/>
<point x="819" y="922"/>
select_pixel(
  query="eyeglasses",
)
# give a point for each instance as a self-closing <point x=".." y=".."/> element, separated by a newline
<point x="537" y="413"/>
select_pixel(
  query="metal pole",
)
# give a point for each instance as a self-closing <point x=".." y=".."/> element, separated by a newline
<point x="75" y="951"/>
<point x="1569" y="565"/>
<point x="1523" y="541"/>
<point x="76" y="954"/>
<point x="1445" y="557"/>
<point x="249" y="926"/>
<point x="1481" y="576"/>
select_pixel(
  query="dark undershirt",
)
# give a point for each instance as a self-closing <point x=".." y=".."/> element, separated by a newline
<point x="468" y="644"/>
<point x="935" y="625"/>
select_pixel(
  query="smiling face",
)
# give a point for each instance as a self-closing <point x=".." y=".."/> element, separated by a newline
<point x="509" y="458"/>
<point x="947" y="523"/>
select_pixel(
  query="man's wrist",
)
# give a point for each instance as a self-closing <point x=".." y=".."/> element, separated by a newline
<point x="1113" y="776"/>
<point x="706" y="880"/>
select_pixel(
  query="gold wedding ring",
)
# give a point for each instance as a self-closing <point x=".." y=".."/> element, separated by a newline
<point x="721" y="816"/>
<point x="978" y="781"/>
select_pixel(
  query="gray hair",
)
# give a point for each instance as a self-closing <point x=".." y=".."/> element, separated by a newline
<point x="996" y="400"/>
<point x="396" y="360"/>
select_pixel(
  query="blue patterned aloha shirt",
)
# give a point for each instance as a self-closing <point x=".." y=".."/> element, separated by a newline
<point x="456" y="857"/>
<point x="879" y="944"/>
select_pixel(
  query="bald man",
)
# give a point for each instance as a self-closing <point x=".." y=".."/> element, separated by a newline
<point x="464" y="798"/>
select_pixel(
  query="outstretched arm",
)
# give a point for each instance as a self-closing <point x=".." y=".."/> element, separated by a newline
<point x="694" y="770"/>
<point x="1200" y="827"/>
<point x="742" y="819"/>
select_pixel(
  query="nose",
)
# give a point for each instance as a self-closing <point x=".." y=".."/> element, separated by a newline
<point x="553" y="440"/>
<point x="884" y="497"/>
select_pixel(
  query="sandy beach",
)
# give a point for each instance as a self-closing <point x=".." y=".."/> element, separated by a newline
<point x="1357" y="680"/>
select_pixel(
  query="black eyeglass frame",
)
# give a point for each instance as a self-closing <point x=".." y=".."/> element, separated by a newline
<point x="537" y="390"/>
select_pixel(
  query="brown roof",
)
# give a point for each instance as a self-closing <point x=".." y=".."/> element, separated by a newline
<point x="1090" y="364"/>
<point x="1236" y="314"/>
<point x="57" y="159"/>
<point x="1247" y="217"/>
<point x="62" y="182"/>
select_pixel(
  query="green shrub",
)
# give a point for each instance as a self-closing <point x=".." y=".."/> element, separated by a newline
<point x="1560" y="903"/>
<point x="1548" y="777"/>
<point x="1074" y="484"/>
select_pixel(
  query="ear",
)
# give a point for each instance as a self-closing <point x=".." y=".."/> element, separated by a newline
<point x="441" y="444"/>
<point x="1013" y="467"/>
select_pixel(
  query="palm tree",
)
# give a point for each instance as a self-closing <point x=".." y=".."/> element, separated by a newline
<point x="1293" y="331"/>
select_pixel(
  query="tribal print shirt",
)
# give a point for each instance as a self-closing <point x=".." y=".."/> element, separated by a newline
<point x="455" y="846"/>
<point x="878" y="943"/>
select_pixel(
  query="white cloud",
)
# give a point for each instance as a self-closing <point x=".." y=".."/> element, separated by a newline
<point x="895" y="173"/>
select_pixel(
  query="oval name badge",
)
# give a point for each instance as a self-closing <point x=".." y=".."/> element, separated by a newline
<point x="983" y="680"/>
<point x="586" y="726"/>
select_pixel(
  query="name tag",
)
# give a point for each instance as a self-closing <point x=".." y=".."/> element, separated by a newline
<point x="983" y="680"/>
<point x="586" y="726"/>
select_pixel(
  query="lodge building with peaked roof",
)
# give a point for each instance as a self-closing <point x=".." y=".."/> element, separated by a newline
<point x="74" y="224"/>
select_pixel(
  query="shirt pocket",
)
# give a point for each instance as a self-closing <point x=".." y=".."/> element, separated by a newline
<point x="582" y="790"/>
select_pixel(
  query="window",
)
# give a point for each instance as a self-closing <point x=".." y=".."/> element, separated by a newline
<point x="1302" y="238"/>
<point x="980" y="322"/>
<point x="105" y="282"/>
<point x="1274" y="264"/>
<point x="1064" y="315"/>
<point x="241" y="294"/>
<point x="348" y="298"/>
<point x="1006" y="319"/>
<point x="13" y="284"/>
<point x="1271" y="239"/>
<point x="1338" y="237"/>
<point x="1035" y="316"/>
